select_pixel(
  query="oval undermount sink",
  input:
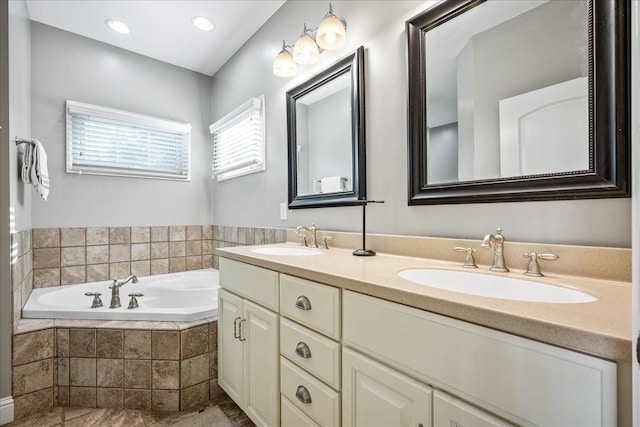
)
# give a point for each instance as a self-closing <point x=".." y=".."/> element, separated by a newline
<point x="491" y="286"/>
<point x="287" y="251"/>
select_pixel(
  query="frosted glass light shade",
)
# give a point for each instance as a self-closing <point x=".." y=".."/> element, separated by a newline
<point x="331" y="33"/>
<point x="305" y="51"/>
<point x="284" y="65"/>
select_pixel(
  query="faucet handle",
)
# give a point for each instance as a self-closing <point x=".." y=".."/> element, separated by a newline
<point x="300" y="232"/>
<point x="326" y="239"/>
<point x="97" y="302"/>
<point x="469" y="261"/>
<point x="533" y="269"/>
<point x="134" y="300"/>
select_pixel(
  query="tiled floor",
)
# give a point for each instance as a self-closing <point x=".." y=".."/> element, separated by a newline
<point x="222" y="412"/>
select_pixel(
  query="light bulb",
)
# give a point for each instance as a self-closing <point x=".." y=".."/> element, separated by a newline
<point x="331" y="34"/>
<point x="118" y="26"/>
<point x="283" y="65"/>
<point x="305" y="50"/>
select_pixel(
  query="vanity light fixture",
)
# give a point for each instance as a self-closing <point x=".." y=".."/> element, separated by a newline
<point x="202" y="23"/>
<point x="331" y="34"/>
<point x="118" y="26"/>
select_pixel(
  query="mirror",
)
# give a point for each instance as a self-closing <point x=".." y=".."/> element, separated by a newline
<point x="518" y="100"/>
<point x="325" y="124"/>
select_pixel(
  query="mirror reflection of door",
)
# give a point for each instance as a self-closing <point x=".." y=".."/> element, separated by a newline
<point x="323" y="136"/>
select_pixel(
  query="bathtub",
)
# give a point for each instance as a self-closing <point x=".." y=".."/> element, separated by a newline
<point x="185" y="296"/>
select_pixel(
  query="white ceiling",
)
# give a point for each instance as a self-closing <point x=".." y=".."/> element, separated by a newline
<point x="162" y="29"/>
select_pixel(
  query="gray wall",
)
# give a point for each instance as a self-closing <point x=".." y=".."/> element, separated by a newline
<point x="379" y="26"/>
<point x="68" y="66"/>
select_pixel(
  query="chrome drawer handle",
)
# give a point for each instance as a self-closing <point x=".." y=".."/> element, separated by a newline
<point x="303" y="350"/>
<point x="303" y="303"/>
<point x="303" y="394"/>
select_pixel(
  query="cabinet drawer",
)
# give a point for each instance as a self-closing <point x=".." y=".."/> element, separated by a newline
<point x="324" y="403"/>
<point x="258" y="284"/>
<point x="294" y="417"/>
<point x="510" y="376"/>
<point x="297" y="342"/>
<point x="312" y="304"/>
<point x="448" y="411"/>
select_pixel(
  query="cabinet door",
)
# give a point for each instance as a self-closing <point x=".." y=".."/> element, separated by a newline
<point x="230" y="356"/>
<point x="259" y="334"/>
<point x="375" y="395"/>
<point x="451" y="412"/>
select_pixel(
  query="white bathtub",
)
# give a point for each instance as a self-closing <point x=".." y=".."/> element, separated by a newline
<point x="186" y="296"/>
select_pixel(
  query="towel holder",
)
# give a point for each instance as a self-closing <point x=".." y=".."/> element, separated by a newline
<point x="23" y="141"/>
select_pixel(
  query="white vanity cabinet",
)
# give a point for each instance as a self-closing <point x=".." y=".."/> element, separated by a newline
<point x="248" y="342"/>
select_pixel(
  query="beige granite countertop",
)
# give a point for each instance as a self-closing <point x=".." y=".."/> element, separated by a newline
<point x="601" y="328"/>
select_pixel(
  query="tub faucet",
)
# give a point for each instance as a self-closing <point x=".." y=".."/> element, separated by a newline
<point x="498" y="250"/>
<point x="115" y="289"/>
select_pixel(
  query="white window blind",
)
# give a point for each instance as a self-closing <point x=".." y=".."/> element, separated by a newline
<point x="239" y="141"/>
<point x="105" y="141"/>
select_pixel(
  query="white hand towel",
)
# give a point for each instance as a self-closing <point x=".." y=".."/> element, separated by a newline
<point x="34" y="168"/>
<point x="332" y="184"/>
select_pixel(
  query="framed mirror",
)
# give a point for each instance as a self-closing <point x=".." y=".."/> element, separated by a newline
<point x="326" y="136"/>
<point x="515" y="101"/>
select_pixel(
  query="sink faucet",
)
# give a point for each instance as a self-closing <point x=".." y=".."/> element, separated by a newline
<point x="313" y="243"/>
<point x="498" y="250"/>
<point x="115" y="289"/>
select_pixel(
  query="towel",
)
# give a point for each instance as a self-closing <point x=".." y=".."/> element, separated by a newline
<point x="34" y="168"/>
<point x="332" y="184"/>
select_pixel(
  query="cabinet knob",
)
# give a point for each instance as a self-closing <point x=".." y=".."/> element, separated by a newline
<point x="302" y="350"/>
<point x="303" y="303"/>
<point x="303" y="394"/>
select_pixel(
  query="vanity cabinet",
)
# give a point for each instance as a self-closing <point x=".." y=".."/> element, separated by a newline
<point x="248" y="337"/>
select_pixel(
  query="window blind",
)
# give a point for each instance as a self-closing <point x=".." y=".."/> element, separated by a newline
<point x="105" y="141"/>
<point x="238" y="141"/>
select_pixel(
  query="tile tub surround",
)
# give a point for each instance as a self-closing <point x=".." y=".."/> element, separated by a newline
<point x="230" y="236"/>
<point x="21" y="272"/>
<point x="162" y="366"/>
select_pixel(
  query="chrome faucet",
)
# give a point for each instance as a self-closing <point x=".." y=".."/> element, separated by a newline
<point x="115" y="289"/>
<point x="313" y="242"/>
<point x="498" y="250"/>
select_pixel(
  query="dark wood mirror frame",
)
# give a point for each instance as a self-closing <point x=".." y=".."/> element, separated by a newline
<point x="609" y="121"/>
<point x="353" y="64"/>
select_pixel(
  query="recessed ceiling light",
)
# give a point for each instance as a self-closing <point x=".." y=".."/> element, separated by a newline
<point x="202" y="23"/>
<point x="118" y="26"/>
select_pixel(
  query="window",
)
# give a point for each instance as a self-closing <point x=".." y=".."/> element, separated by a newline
<point x="105" y="141"/>
<point x="238" y="141"/>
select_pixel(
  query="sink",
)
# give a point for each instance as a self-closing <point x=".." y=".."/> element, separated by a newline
<point x="287" y="251"/>
<point x="491" y="286"/>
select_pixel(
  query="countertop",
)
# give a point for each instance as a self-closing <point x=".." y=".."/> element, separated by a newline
<point x="601" y="328"/>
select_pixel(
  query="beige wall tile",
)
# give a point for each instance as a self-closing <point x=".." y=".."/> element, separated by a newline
<point x="165" y="345"/>
<point x="177" y="264"/>
<point x="259" y="236"/>
<point x="137" y="374"/>
<point x="194" y="263"/>
<point x="140" y="251"/>
<point x="140" y="234"/>
<point x="159" y="234"/>
<point x="165" y="374"/>
<point x="73" y="275"/>
<point x="177" y="232"/>
<point x="73" y="256"/>
<point x="159" y="266"/>
<point x="32" y="377"/>
<point x="177" y="249"/>
<point x="194" y="341"/>
<point x="207" y="261"/>
<point x="112" y="398"/>
<point x="213" y="365"/>
<point x="97" y="236"/>
<point x="33" y="346"/>
<point x="82" y="372"/>
<point x="218" y="232"/>
<point x="214" y="390"/>
<point x="194" y="395"/>
<point x="119" y="253"/>
<point x="207" y="247"/>
<point x="119" y="270"/>
<point x="63" y="371"/>
<point x="97" y="254"/>
<point x="31" y="403"/>
<point x="110" y="372"/>
<point x="97" y="272"/>
<point x="194" y="370"/>
<point x="82" y="343"/>
<point x="137" y="344"/>
<point x="62" y="340"/>
<point x="249" y="235"/>
<point x="207" y="232"/>
<point x="213" y="336"/>
<point x="141" y="268"/>
<point x="137" y="399"/>
<point x="194" y="247"/>
<point x="72" y="237"/>
<point x="194" y="232"/>
<point x="46" y="258"/>
<point x="46" y="277"/>
<point x="119" y="235"/>
<point x="165" y="400"/>
<point x="46" y="237"/>
<point x="270" y="235"/>
<point x="84" y="397"/>
<point x="109" y="343"/>
<point x="159" y="250"/>
<point x="63" y="396"/>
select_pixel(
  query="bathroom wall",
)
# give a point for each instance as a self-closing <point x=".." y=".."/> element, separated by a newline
<point x="380" y="27"/>
<point x="68" y="66"/>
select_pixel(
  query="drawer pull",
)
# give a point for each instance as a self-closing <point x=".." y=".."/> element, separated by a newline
<point x="303" y="394"/>
<point x="303" y="303"/>
<point x="235" y="327"/>
<point x="302" y="350"/>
